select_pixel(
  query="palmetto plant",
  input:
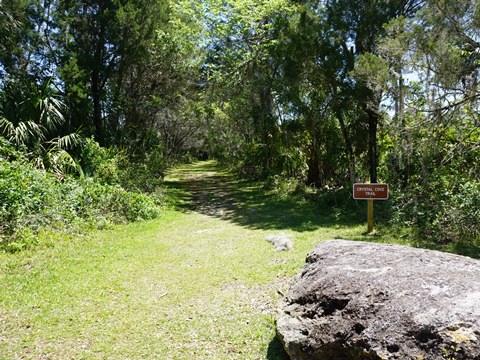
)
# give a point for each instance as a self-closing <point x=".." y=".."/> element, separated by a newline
<point x="30" y="117"/>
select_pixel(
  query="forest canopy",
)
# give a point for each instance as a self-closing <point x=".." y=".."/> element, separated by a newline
<point x="322" y="93"/>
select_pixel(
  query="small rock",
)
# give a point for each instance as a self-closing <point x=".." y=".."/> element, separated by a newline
<point x="281" y="242"/>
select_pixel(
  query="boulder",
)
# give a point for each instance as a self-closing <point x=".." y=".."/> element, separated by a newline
<point x="357" y="300"/>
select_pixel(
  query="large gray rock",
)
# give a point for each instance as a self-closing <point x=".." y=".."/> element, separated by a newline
<point x="356" y="300"/>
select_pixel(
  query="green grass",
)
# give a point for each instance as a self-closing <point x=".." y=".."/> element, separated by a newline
<point x="199" y="283"/>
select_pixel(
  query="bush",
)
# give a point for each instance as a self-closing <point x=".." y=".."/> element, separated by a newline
<point x="140" y="177"/>
<point x="134" y="206"/>
<point x="276" y="159"/>
<point x="442" y="210"/>
<point x="32" y="200"/>
<point x="283" y="186"/>
<point x="23" y="191"/>
<point x="8" y="151"/>
<point x="100" y="163"/>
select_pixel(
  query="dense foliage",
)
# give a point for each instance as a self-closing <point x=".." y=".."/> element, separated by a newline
<point x="34" y="201"/>
<point x="319" y="93"/>
<point x="333" y="92"/>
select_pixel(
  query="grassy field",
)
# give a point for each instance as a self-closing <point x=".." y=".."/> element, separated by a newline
<point x="201" y="282"/>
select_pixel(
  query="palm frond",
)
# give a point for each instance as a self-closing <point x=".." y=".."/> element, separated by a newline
<point x="63" y="163"/>
<point x="66" y="142"/>
<point x="38" y="162"/>
<point x="51" y="112"/>
<point x="29" y="115"/>
<point x="6" y="127"/>
<point x="24" y="132"/>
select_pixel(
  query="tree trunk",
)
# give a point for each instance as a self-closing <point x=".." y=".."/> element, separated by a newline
<point x="314" y="176"/>
<point x="97" y="85"/>
<point x="372" y="144"/>
<point x="97" y="109"/>
<point x="348" y="146"/>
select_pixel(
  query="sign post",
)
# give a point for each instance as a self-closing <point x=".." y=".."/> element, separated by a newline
<point x="370" y="192"/>
<point x="370" y="215"/>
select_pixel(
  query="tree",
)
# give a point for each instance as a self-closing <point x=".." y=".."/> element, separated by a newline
<point x="361" y="24"/>
<point x="30" y="117"/>
<point x="102" y="46"/>
<point x="9" y="35"/>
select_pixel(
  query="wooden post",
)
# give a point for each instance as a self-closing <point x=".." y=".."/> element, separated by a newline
<point x="370" y="216"/>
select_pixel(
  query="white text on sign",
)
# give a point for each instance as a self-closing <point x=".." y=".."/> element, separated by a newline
<point x="370" y="191"/>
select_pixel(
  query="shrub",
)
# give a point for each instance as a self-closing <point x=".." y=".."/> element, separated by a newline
<point x="441" y="210"/>
<point x="276" y="159"/>
<point x="113" y="167"/>
<point x="133" y="206"/>
<point x="282" y="186"/>
<point x="140" y="177"/>
<point x="8" y="151"/>
<point x="24" y="191"/>
<point x="32" y="200"/>
<point x="100" y="163"/>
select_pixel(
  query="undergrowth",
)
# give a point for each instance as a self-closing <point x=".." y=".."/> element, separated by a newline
<point x="419" y="215"/>
<point x="35" y="202"/>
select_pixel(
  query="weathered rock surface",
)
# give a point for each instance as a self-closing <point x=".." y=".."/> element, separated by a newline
<point x="356" y="300"/>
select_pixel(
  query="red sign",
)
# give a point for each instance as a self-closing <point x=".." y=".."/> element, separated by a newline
<point x="370" y="191"/>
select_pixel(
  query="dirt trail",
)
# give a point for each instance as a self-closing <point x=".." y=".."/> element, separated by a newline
<point x="212" y="192"/>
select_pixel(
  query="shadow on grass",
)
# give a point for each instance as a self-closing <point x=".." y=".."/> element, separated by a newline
<point x="206" y="190"/>
<point x="275" y="351"/>
<point x="465" y="248"/>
